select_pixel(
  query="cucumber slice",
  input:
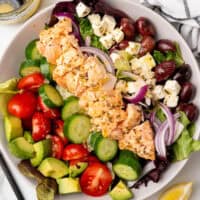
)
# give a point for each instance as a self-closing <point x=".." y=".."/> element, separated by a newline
<point x="29" y="67"/>
<point x="46" y="68"/>
<point x="77" y="128"/>
<point x="71" y="106"/>
<point x="105" y="148"/>
<point x="127" y="166"/>
<point x="31" y="51"/>
<point x="93" y="138"/>
<point x="50" y="96"/>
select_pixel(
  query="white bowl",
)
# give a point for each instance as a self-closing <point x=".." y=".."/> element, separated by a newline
<point x="14" y="54"/>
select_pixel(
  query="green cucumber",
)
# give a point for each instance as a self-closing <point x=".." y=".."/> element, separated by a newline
<point x="71" y="106"/>
<point x="77" y="128"/>
<point x="105" y="148"/>
<point x="93" y="138"/>
<point x="127" y="166"/>
<point x="50" y="96"/>
<point x="29" y="67"/>
<point x="31" y="51"/>
<point x="46" y="68"/>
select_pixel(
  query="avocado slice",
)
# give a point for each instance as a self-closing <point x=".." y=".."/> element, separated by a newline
<point x="28" y="137"/>
<point x="20" y="148"/>
<point x="42" y="149"/>
<point x="77" y="169"/>
<point x="13" y="127"/>
<point x="68" y="185"/>
<point x="54" y="168"/>
<point x="121" y="192"/>
<point x="9" y="85"/>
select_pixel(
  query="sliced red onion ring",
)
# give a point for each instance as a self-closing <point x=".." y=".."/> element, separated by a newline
<point x="171" y="123"/>
<point x="138" y="97"/>
<point x="178" y="130"/>
<point x="154" y="121"/>
<point x="87" y="41"/>
<point x="102" y="56"/>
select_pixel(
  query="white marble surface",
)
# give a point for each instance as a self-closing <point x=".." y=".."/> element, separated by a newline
<point x="191" y="171"/>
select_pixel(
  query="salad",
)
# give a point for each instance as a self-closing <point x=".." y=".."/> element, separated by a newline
<point x="99" y="100"/>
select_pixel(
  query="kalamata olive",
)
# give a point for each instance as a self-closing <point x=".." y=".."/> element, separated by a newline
<point x="121" y="46"/>
<point x="147" y="45"/>
<point x="187" y="92"/>
<point x="183" y="73"/>
<point x="190" y="110"/>
<point x="164" y="70"/>
<point x="165" y="45"/>
<point x="145" y="27"/>
<point x="128" y="28"/>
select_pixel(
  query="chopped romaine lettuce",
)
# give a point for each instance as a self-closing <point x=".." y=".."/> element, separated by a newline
<point x="86" y="30"/>
<point x="184" y="119"/>
<point x="160" y="115"/>
<point x="170" y="55"/>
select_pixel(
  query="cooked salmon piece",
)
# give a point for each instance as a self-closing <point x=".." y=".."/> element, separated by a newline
<point x="140" y="140"/>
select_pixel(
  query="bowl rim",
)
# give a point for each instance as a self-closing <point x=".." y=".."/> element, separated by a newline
<point x="153" y="13"/>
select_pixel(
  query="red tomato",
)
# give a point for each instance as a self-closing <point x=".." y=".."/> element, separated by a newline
<point x="58" y="125"/>
<point x="89" y="159"/>
<point x="96" y="179"/>
<point x="51" y="113"/>
<point x="23" y="105"/>
<point x="74" y="151"/>
<point x="31" y="82"/>
<point x="41" y="126"/>
<point x="57" y="147"/>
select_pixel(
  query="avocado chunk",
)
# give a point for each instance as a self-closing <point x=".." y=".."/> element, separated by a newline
<point x="13" y="127"/>
<point x="54" y="168"/>
<point x="68" y="185"/>
<point x="20" y="148"/>
<point x="42" y="149"/>
<point x="9" y="86"/>
<point x="28" y="137"/>
<point x="77" y="169"/>
<point x="121" y="192"/>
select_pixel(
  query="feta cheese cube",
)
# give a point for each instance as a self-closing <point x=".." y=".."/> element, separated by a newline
<point x="118" y="35"/>
<point x="114" y="56"/>
<point x="171" y="100"/>
<point x="100" y="29"/>
<point x="133" y="48"/>
<point x="107" y="41"/>
<point x="95" y="19"/>
<point x="148" y="61"/>
<point x="82" y="10"/>
<point x="134" y="86"/>
<point x="172" y="87"/>
<point x="110" y="21"/>
<point x="158" y="92"/>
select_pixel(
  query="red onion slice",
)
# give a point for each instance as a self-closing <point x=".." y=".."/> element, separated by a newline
<point x="102" y="56"/>
<point x="87" y="41"/>
<point x="138" y="97"/>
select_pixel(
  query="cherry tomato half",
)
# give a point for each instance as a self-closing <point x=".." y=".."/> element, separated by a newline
<point x="57" y="147"/>
<point x="90" y="159"/>
<point x="23" y="105"/>
<point x="96" y="179"/>
<point x="74" y="151"/>
<point x="31" y="82"/>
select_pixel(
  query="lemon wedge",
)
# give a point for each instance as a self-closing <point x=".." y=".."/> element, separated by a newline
<point x="181" y="191"/>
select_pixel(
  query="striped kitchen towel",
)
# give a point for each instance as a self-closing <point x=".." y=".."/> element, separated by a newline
<point x="184" y="15"/>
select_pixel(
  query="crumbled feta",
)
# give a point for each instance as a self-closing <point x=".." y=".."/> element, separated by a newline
<point x="133" y="48"/>
<point x="107" y="41"/>
<point x="95" y="19"/>
<point x="114" y="56"/>
<point x="171" y="100"/>
<point x="134" y="86"/>
<point x="100" y="29"/>
<point x="82" y="10"/>
<point x="110" y="21"/>
<point x="172" y="87"/>
<point x="158" y="92"/>
<point x="118" y="35"/>
<point x="148" y="61"/>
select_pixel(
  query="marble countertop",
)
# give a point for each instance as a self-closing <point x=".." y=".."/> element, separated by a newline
<point x="189" y="173"/>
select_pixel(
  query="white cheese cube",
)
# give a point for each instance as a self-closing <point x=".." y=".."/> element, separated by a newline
<point x="148" y="61"/>
<point x="107" y="41"/>
<point x="110" y="21"/>
<point x="133" y="48"/>
<point x="114" y="56"/>
<point x="118" y="35"/>
<point x="100" y="29"/>
<point x="95" y="19"/>
<point x="171" y="100"/>
<point x="134" y="86"/>
<point x="82" y="10"/>
<point x="158" y="92"/>
<point x="172" y="87"/>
